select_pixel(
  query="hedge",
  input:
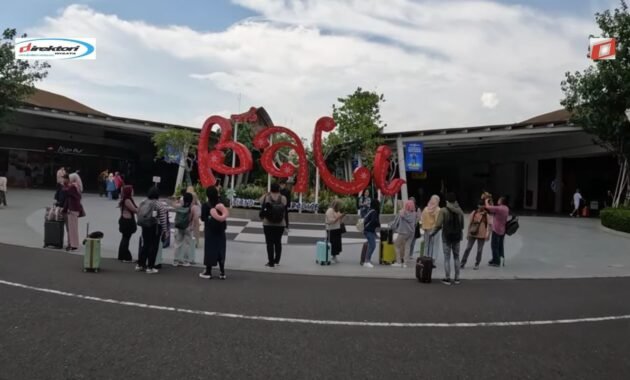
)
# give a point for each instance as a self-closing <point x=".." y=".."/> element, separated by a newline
<point x="616" y="218"/>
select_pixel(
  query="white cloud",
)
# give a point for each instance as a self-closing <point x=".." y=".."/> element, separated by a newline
<point x="489" y="100"/>
<point x="430" y="59"/>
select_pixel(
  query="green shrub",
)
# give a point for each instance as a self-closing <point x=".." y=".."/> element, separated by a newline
<point x="349" y="205"/>
<point x="250" y="192"/>
<point x="616" y="218"/>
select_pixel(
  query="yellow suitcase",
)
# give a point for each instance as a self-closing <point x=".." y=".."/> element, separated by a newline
<point x="387" y="253"/>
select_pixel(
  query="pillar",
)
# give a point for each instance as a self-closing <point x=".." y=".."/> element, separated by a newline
<point x="559" y="187"/>
<point x="402" y="172"/>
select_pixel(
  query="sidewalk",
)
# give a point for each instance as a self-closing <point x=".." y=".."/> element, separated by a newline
<point x="544" y="247"/>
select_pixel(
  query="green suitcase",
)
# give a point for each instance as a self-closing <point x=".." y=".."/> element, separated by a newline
<point x="92" y="256"/>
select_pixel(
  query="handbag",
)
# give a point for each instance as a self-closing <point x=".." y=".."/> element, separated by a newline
<point x="416" y="233"/>
<point x="81" y="212"/>
<point x="343" y="228"/>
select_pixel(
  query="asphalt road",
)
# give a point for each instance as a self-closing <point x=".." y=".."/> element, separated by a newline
<point x="48" y="336"/>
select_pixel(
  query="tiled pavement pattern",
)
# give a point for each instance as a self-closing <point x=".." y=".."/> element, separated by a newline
<point x="243" y="230"/>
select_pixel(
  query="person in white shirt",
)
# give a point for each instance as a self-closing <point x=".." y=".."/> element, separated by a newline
<point x="3" y="190"/>
<point x="577" y="202"/>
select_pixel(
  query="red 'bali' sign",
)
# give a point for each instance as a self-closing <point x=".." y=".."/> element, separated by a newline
<point x="211" y="161"/>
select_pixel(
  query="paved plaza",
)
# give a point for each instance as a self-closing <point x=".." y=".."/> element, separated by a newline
<point x="544" y="247"/>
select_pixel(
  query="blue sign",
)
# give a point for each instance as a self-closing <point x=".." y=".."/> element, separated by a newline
<point x="414" y="157"/>
<point x="173" y="155"/>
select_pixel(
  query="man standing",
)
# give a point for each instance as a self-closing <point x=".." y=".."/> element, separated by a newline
<point x="577" y="203"/>
<point x="286" y="192"/>
<point x="3" y="190"/>
<point x="451" y="221"/>
<point x="500" y="214"/>
<point x="102" y="183"/>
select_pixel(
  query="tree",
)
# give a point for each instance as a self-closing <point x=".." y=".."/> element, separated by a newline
<point x="175" y="143"/>
<point x="359" y="124"/>
<point x="17" y="77"/>
<point x="599" y="96"/>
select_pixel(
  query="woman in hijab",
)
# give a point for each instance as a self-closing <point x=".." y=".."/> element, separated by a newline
<point x="74" y="210"/>
<point x="407" y="219"/>
<point x="127" y="223"/>
<point x="214" y="215"/>
<point x="429" y="218"/>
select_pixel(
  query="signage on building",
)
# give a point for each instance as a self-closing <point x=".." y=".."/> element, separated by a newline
<point x="414" y="157"/>
<point x="66" y="150"/>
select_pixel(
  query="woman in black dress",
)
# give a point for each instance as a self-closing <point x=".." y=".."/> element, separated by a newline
<point x="214" y="215"/>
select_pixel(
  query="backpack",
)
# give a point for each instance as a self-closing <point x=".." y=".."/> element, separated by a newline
<point x="475" y="224"/>
<point x="452" y="227"/>
<point x="145" y="214"/>
<point x="511" y="226"/>
<point x="273" y="211"/>
<point x="182" y="218"/>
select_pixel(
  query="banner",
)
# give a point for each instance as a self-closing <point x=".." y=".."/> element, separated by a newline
<point x="414" y="157"/>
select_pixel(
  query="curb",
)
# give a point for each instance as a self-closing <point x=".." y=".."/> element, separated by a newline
<point x="614" y="232"/>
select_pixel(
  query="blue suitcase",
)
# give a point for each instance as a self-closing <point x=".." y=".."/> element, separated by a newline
<point x="323" y="253"/>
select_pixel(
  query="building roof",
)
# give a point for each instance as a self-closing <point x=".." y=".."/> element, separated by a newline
<point x="46" y="99"/>
<point x="558" y="116"/>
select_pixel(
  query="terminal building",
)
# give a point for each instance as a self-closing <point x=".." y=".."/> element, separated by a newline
<point x="538" y="164"/>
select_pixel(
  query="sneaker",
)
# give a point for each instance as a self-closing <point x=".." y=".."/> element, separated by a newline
<point x="222" y="276"/>
<point x="139" y="268"/>
<point x="396" y="265"/>
<point x="176" y="264"/>
<point x="446" y="281"/>
<point x="185" y="264"/>
<point x="152" y="271"/>
<point x="334" y="260"/>
<point x="494" y="265"/>
<point x="368" y="264"/>
<point x="476" y="267"/>
<point x="456" y="282"/>
<point x="462" y="266"/>
<point x="205" y="275"/>
<point x="270" y="265"/>
<point x="404" y="265"/>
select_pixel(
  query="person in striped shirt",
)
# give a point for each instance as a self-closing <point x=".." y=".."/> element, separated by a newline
<point x="152" y="233"/>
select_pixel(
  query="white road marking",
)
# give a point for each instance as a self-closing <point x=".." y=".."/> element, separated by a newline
<point x="317" y="321"/>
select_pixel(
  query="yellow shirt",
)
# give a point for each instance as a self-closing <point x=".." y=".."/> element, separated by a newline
<point x="429" y="220"/>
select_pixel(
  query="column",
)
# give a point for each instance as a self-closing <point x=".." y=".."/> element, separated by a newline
<point x="559" y="187"/>
<point x="402" y="172"/>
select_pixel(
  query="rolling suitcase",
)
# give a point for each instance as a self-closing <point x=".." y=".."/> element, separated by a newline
<point x="53" y="234"/>
<point x="92" y="256"/>
<point x="322" y="255"/>
<point x="424" y="269"/>
<point x="387" y="253"/>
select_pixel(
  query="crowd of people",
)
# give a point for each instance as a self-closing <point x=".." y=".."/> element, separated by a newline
<point x="439" y="228"/>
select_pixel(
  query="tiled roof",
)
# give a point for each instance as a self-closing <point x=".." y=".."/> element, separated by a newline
<point x="46" y="99"/>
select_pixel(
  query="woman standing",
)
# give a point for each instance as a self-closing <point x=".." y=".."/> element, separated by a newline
<point x="184" y="244"/>
<point x="196" y="215"/>
<point x="214" y="215"/>
<point x="479" y="232"/>
<point x="333" y="228"/>
<point x="153" y="218"/>
<point x="371" y="222"/>
<point x="429" y="218"/>
<point x="127" y="223"/>
<point x="407" y="219"/>
<point x="73" y="209"/>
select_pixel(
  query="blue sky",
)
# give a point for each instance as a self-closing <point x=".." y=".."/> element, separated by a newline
<point x="213" y="14"/>
<point x="439" y="64"/>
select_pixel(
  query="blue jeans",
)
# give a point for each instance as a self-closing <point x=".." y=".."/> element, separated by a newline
<point x="371" y="240"/>
<point x="497" y="248"/>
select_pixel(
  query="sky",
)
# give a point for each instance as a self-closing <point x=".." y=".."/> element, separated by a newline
<point x="439" y="64"/>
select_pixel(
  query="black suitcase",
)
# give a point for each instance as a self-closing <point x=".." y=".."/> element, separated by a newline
<point x="424" y="269"/>
<point x="387" y="235"/>
<point x="53" y="234"/>
<point x="364" y="252"/>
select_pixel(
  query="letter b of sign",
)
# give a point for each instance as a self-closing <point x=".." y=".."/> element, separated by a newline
<point x="214" y="160"/>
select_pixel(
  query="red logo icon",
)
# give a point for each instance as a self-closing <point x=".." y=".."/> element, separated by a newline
<point x="602" y="48"/>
